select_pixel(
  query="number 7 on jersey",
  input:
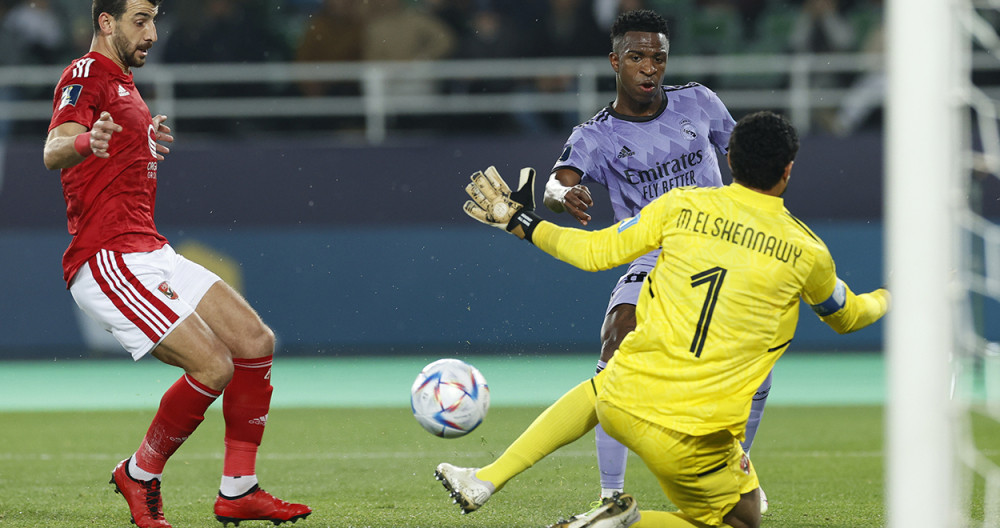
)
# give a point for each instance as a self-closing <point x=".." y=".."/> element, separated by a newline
<point x="713" y="277"/>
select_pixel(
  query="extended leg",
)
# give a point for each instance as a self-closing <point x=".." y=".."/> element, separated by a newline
<point x="208" y="369"/>
<point x="569" y="418"/>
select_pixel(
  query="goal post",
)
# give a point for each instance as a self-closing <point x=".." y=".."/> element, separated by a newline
<point x="922" y="135"/>
<point x="943" y="251"/>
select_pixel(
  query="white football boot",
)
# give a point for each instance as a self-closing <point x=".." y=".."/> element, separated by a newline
<point x="619" y="511"/>
<point x="468" y="491"/>
<point x="763" y="501"/>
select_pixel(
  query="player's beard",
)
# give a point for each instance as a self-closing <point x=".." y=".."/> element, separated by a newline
<point x="127" y="51"/>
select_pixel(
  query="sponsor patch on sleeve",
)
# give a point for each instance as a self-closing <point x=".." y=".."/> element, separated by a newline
<point x="70" y="95"/>
<point x="565" y="153"/>
<point x="628" y="222"/>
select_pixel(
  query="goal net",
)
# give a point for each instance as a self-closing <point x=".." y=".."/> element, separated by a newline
<point x="943" y="250"/>
<point x="976" y="364"/>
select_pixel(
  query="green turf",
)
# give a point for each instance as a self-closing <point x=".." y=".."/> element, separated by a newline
<point x="819" y="452"/>
<point x="821" y="467"/>
<point x="381" y="381"/>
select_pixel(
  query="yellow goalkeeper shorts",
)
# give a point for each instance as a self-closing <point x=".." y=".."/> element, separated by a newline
<point x="704" y="476"/>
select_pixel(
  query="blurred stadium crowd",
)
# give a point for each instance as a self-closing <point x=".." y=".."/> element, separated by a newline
<point x="55" y="31"/>
<point x="39" y="32"/>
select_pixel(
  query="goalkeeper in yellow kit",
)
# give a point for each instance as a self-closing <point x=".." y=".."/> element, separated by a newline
<point x="714" y="315"/>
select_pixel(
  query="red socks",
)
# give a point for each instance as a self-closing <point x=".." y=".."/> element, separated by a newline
<point x="245" y="404"/>
<point x="182" y="409"/>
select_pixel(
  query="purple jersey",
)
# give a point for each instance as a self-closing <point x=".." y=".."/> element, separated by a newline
<point x="640" y="158"/>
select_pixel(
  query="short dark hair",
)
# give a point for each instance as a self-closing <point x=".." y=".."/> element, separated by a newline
<point x="115" y="8"/>
<point x="761" y="146"/>
<point x="643" y="20"/>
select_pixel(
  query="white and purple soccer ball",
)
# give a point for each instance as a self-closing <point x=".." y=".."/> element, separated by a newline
<point x="449" y="398"/>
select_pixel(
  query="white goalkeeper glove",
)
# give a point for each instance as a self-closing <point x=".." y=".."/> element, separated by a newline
<point x="494" y="204"/>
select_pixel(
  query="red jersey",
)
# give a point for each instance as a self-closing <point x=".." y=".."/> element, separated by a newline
<point x="109" y="202"/>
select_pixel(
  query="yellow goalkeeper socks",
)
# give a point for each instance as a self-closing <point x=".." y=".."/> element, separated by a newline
<point x="566" y="420"/>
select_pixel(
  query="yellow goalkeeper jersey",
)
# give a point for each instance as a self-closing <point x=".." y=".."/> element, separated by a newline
<point x="720" y="306"/>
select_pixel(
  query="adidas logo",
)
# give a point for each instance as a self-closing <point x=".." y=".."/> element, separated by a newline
<point x="625" y="152"/>
<point x="122" y="92"/>
<point x="259" y="421"/>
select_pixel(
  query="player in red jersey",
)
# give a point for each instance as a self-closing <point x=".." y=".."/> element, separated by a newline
<point x="123" y="273"/>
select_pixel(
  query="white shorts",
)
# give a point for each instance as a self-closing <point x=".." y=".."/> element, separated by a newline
<point x="140" y="297"/>
<point x="630" y="284"/>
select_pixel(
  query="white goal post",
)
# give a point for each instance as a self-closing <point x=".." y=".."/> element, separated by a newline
<point x="943" y="252"/>
<point x="922" y="117"/>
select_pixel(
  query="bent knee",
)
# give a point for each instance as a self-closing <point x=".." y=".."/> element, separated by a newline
<point x="218" y="372"/>
<point x="261" y="342"/>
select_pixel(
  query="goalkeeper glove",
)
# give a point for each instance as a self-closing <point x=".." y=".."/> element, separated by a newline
<point x="494" y="204"/>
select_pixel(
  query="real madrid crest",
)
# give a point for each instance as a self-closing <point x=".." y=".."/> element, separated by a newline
<point x="688" y="129"/>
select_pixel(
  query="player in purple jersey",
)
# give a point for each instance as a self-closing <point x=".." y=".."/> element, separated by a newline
<point x="651" y="139"/>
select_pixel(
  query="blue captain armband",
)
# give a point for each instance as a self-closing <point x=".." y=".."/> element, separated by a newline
<point x="834" y="303"/>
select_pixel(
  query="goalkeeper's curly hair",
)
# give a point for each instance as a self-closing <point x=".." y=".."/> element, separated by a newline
<point x="761" y="146"/>
<point x="642" y="20"/>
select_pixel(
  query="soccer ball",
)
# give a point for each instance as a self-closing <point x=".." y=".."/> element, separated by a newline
<point x="449" y="398"/>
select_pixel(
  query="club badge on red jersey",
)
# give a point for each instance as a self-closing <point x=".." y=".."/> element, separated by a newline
<point x="166" y="290"/>
<point x="70" y="94"/>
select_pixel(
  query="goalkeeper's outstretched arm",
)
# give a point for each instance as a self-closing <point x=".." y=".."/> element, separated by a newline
<point x="494" y="204"/>
<point x="856" y="311"/>
<point x="838" y="306"/>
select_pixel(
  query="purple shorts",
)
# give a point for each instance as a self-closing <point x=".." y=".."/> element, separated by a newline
<point x="630" y="284"/>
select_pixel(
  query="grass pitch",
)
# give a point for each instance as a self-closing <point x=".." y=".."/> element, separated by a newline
<point x="820" y="466"/>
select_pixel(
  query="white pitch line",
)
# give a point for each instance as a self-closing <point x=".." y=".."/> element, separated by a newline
<point x="379" y="455"/>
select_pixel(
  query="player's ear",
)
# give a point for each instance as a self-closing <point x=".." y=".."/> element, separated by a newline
<point x="613" y="57"/>
<point x="788" y="171"/>
<point x="106" y="22"/>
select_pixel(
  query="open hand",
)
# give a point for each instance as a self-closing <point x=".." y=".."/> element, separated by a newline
<point x="100" y="134"/>
<point x="162" y="134"/>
